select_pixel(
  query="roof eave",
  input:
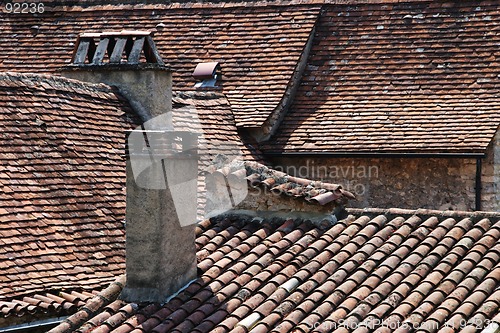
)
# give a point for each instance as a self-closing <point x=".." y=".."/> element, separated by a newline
<point x="377" y="154"/>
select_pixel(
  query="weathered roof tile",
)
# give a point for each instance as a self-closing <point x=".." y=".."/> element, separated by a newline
<point x="418" y="77"/>
<point x="370" y="294"/>
<point x="51" y="152"/>
<point x="257" y="45"/>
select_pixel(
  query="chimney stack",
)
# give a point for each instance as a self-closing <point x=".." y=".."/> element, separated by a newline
<point x="114" y="58"/>
<point x="160" y="244"/>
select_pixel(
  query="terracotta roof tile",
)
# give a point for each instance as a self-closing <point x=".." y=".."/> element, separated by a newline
<point x="69" y="177"/>
<point x="210" y="113"/>
<point x="63" y="173"/>
<point x="402" y="77"/>
<point x="258" y="46"/>
<point x="348" y="285"/>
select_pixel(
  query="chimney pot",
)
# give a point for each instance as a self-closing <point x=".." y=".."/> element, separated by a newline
<point x="208" y="72"/>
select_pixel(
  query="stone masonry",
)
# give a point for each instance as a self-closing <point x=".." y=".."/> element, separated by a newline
<point x="430" y="183"/>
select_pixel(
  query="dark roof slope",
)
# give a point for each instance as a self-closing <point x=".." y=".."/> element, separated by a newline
<point x="258" y="45"/>
<point x="62" y="184"/>
<point x="376" y="270"/>
<point x="398" y="77"/>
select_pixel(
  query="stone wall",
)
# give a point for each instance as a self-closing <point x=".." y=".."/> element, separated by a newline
<point x="411" y="183"/>
<point x="490" y="193"/>
<point x="263" y="200"/>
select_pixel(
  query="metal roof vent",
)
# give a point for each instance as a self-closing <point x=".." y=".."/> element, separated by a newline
<point x="209" y="73"/>
<point x="122" y="47"/>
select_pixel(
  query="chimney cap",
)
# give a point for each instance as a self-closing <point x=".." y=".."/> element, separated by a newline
<point x="118" y="47"/>
<point x="206" y="70"/>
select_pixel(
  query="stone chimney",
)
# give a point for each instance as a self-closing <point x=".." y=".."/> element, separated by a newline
<point x="160" y="244"/>
<point x="114" y="58"/>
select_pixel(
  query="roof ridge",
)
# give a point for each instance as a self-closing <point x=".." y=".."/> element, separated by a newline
<point x="92" y="306"/>
<point x="126" y="4"/>
<point x="476" y="215"/>
<point x="279" y="182"/>
<point x="178" y="95"/>
<point x="55" y="82"/>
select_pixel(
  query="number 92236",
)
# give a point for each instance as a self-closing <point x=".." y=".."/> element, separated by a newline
<point x="24" y="7"/>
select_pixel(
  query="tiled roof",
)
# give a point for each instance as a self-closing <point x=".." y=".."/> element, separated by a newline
<point x="62" y="191"/>
<point x="374" y="271"/>
<point x="399" y="77"/>
<point x="258" y="46"/>
<point x="43" y="305"/>
<point x="62" y="186"/>
<point x="209" y="113"/>
<point x="98" y="301"/>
